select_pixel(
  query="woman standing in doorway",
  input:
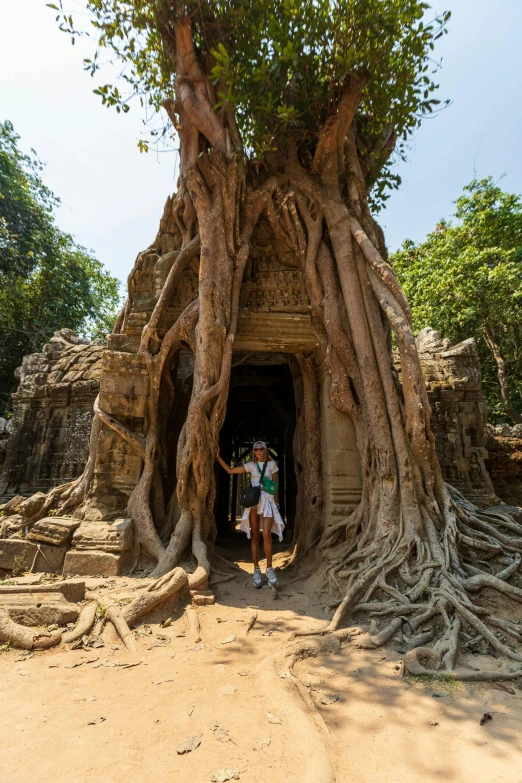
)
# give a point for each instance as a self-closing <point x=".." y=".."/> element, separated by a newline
<point x="265" y="516"/>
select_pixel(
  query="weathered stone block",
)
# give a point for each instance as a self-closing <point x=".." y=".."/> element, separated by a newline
<point x="32" y="505"/>
<point x="73" y="590"/>
<point x="132" y="385"/>
<point x="11" y="524"/>
<point x="123" y="342"/>
<point x="49" y="559"/>
<point x="40" y="609"/>
<point x="123" y="405"/>
<point x="116" y="536"/>
<point x="56" y="531"/>
<point x="16" y="552"/>
<point x="13" y="505"/>
<point x="91" y="563"/>
<point x="122" y="362"/>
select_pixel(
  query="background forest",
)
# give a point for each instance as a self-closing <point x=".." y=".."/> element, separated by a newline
<point x="47" y="280"/>
<point x="465" y="279"/>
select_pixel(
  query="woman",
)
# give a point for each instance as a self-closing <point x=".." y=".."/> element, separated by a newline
<point x="266" y="510"/>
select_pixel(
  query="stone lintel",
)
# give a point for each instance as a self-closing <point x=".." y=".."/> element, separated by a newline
<point x="286" y="332"/>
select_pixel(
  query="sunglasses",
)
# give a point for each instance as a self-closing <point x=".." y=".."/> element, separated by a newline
<point x="261" y="449"/>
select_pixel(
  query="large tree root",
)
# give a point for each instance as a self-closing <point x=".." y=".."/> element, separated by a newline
<point x="154" y="594"/>
<point x="27" y="639"/>
<point x="120" y="624"/>
<point x="84" y="624"/>
<point x="423" y="662"/>
<point x="302" y="716"/>
<point x="389" y="587"/>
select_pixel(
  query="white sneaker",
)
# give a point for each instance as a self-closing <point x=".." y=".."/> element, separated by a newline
<point x="258" y="579"/>
<point x="272" y="578"/>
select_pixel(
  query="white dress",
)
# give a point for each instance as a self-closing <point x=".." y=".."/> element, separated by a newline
<point x="267" y="506"/>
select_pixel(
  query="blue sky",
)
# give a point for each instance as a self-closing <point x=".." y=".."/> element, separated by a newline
<point x="113" y="196"/>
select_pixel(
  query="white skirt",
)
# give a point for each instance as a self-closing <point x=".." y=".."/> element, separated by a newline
<point x="265" y="508"/>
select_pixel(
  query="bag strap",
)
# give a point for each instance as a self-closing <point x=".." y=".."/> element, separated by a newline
<point x="262" y="473"/>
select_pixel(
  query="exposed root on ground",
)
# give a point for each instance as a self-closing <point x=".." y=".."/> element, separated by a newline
<point x="422" y="594"/>
<point x="303" y="719"/>
<point x="26" y="638"/>
<point x="84" y="624"/>
<point x="424" y="662"/>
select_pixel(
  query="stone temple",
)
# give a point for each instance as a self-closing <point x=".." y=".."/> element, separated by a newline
<point x="53" y="410"/>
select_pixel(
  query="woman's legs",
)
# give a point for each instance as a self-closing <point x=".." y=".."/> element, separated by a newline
<point x="254" y="535"/>
<point x="267" y="540"/>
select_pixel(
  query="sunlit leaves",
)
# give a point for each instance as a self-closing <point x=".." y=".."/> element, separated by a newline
<point x="280" y="65"/>
<point x="469" y="274"/>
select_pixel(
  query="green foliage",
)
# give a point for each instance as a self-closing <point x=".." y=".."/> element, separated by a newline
<point x="467" y="276"/>
<point x="280" y="65"/>
<point x="20" y="564"/>
<point x="48" y="282"/>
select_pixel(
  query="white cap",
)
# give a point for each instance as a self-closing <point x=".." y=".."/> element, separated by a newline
<point x="260" y="444"/>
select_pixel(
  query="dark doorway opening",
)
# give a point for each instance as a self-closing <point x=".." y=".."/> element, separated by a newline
<point x="261" y="406"/>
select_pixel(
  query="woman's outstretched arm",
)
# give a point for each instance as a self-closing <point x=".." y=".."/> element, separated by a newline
<point x="240" y="469"/>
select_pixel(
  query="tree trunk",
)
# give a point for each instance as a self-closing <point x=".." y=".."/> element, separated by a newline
<point x="501" y="372"/>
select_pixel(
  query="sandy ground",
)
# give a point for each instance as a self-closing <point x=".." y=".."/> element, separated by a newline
<point x="85" y="716"/>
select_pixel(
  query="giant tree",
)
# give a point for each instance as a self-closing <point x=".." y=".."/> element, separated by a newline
<point x="290" y="111"/>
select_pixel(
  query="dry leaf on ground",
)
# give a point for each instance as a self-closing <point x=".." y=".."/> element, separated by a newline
<point x="228" y="639"/>
<point x="188" y="744"/>
<point x="259" y="744"/>
<point x="225" y="774"/>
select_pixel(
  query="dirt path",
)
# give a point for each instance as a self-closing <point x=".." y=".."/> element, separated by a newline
<point x="377" y="726"/>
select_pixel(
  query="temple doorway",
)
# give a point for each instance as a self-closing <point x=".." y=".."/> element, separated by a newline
<point x="261" y="406"/>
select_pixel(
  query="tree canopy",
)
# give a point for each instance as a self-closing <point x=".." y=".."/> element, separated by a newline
<point x="48" y="281"/>
<point x="279" y="68"/>
<point x="466" y="280"/>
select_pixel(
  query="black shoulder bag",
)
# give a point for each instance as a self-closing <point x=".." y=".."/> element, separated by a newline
<point x="250" y="496"/>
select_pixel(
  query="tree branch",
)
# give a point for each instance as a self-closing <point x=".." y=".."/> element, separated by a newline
<point x="131" y="437"/>
<point x="328" y="159"/>
<point x="493" y="346"/>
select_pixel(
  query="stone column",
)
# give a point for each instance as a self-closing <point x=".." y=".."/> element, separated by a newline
<point x="340" y="455"/>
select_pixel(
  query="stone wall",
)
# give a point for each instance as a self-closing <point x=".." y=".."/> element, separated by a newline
<point x="52" y="417"/>
<point x="458" y="413"/>
<point x="342" y="481"/>
<point x="49" y="431"/>
<point x="504" y="462"/>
